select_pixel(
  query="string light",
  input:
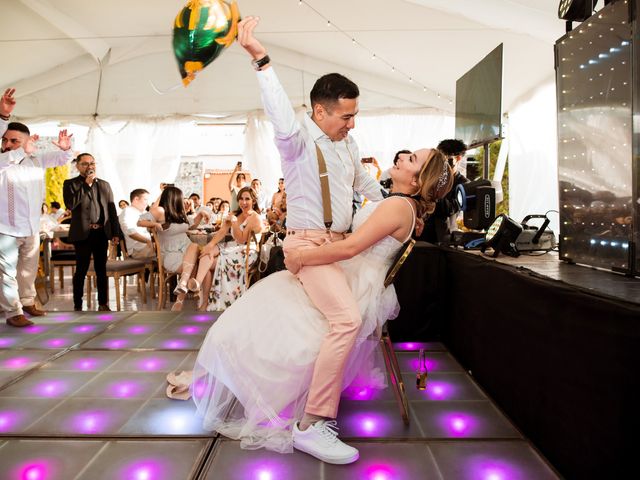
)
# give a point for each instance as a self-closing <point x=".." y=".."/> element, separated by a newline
<point x="373" y="55"/>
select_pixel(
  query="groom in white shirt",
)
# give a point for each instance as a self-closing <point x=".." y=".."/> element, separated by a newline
<point x="334" y="100"/>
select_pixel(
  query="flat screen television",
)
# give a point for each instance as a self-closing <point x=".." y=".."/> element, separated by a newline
<point x="479" y="101"/>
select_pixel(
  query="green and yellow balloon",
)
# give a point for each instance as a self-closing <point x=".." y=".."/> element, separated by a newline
<point x="201" y="31"/>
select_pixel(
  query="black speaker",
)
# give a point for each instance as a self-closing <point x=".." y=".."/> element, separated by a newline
<point x="575" y="10"/>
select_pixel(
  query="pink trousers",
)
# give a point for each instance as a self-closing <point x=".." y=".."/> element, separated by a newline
<point x="326" y="286"/>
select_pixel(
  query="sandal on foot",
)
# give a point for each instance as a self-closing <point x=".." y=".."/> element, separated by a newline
<point x="180" y="392"/>
<point x="193" y="285"/>
<point x="177" y="306"/>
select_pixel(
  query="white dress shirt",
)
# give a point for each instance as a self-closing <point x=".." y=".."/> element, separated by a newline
<point x="296" y="144"/>
<point x="129" y="224"/>
<point x="22" y="187"/>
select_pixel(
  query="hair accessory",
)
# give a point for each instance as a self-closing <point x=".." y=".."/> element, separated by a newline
<point x="444" y="176"/>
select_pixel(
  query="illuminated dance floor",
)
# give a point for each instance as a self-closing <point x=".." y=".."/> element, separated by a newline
<point x="82" y="396"/>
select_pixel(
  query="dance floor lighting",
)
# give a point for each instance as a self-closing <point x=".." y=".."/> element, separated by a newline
<point x="16" y="363"/>
<point x="459" y="424"/>
<point x="84" y="329"/>
<point x="138" y="329"/>
<point x="190" y="330"/>
<point x="51" y="388"/>
<point x="369" y="424"/>
<point x="381" y="472"/>
<point x="102" y="385"/>
<point x="9" y="419"/>
<point x="488" y="468"/>
<point x="90" y="422"/>
<point x="151" y="469"/>
<point x="6" y="342"/>
<point x="36" y="329"/>
<point x="41" y="470"/>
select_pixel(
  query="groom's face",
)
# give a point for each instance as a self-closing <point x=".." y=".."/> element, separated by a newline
<point x="338" y="118"/>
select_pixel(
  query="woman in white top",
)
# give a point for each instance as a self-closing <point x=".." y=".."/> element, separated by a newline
<point x="179" y="254"/>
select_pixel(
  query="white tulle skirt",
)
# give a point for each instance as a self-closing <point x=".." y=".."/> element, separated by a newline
<point x="262" y="350"/>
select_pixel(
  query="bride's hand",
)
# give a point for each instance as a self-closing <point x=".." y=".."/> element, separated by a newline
<point x="293" y="260"/>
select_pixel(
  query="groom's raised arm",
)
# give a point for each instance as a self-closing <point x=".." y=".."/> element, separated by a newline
<point x="274" y="99"/>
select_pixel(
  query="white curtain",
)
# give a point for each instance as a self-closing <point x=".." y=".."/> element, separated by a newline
<point x="381" y="134"/>
<point x="137" y="153"/>
<point x="260" y="154"/>
<point x="533" y="156"/>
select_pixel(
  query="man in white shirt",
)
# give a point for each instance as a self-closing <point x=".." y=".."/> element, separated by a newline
<point x="334" y="100"/>
<point x="22" y="191"/>
<point x="56" y="213"/>
<point x="137" y="239"/>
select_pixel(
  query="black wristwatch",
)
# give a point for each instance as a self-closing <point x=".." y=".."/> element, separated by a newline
<point x="258" y="64"/>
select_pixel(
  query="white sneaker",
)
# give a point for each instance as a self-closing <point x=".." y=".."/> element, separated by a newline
<point x="321" y="441"/>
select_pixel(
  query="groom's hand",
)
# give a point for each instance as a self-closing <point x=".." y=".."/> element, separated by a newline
<point x="247" y="40"/>
<point x="293" y="260"/>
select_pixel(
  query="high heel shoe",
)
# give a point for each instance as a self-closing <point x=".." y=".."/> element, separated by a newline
<point x="181" y="289"/>
<point x="193" y="285"/>
<point x="177" y="306"/>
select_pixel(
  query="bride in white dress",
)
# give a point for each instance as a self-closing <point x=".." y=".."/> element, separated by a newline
<point x="252" y="374"/>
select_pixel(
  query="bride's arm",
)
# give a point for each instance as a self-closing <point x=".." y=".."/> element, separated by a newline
<point x="390" y="218"/>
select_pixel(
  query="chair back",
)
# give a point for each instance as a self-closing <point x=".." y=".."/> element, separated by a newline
<point x="158" y="251"/>
<point x="251" y="271"/>
<point x="399" y="260"/>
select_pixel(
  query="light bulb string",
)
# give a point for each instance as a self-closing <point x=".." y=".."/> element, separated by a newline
<point x="374" y="56"/>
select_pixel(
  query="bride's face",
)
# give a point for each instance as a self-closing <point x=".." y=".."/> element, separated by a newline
<point x="408" y="166"/>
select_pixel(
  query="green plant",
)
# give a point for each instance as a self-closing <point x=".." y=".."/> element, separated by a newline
<point x="54" y="178"/>
<point x="494" y="149"/>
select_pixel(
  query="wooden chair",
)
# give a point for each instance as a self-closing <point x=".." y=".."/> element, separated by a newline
<point x="252" y="271"/>
<point x="389" y="354"/>
<point x="119" y="268"/>
<point x="163" y="275"/>
<point x="60" y="259"/>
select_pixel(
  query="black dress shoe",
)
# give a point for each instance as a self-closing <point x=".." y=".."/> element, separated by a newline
<point x="77" y="309"/>
<point x="104" y="308"/>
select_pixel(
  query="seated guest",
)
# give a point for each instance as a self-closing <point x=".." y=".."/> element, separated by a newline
<point x="179" y="254"/>
<point x="122" y="204"/>
<point x="47" y="222"/>
<point x="442" y="222"/>
<point x="216" y="204"/>
<point x="55" y="212"/>
<point x="223" y="211"/>
<point x="228" y="260"/>
<point x="137" y="239"/>
<point x="276" y="216"/>
<point x="189" y="211"/>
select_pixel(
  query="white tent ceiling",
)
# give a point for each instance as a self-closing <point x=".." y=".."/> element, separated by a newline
<point x="52" y="51"/>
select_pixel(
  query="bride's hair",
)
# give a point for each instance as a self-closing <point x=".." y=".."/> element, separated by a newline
<point x="434" y="182"/>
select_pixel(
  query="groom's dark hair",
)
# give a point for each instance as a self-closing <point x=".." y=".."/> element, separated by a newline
<point x="330" y="88"/>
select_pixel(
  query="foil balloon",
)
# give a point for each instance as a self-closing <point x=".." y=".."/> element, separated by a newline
<point x="201" y="31"/>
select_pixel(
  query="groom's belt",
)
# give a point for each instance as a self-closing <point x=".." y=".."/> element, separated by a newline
<point x="315" y="232"/>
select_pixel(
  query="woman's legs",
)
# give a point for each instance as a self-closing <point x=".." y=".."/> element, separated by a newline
<point x="189" y="260"/>
<point x="205" y="264"/>
<point x="204" y="292"/>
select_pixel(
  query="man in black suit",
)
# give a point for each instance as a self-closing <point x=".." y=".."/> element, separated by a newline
<point x="93" y="223"/>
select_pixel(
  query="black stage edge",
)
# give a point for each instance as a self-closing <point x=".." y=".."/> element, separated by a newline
<point x="560" y="360"/>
